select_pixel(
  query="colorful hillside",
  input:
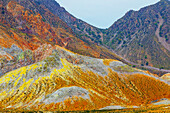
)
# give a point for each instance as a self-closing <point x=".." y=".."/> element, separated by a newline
<point x="46" y="65"/>
<point x="65" y="81"/>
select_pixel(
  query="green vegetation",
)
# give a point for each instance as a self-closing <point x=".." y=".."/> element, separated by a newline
<point x="161" y="67"/>
<point x="147" y="63"/>
<point x="134" y="66"/>
<point x="3" y="12"/>
<point x="43" y="20"/>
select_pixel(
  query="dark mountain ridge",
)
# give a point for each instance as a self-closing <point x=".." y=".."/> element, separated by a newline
<point x="143" y="36"/>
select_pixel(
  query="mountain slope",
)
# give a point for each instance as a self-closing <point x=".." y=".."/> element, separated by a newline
<point x="27" y="28"/>
<point x="141" y="37"/>
<point x="82" y="29"/>
<point x="65" y="81"/>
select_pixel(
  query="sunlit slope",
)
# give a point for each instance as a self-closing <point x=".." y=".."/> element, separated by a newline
<point x="68" y="81"/>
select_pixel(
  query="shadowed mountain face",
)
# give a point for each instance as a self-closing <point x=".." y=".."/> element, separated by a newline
<point x="140" y="36"/>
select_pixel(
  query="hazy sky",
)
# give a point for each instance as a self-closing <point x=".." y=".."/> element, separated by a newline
<point x="102" y="13"/>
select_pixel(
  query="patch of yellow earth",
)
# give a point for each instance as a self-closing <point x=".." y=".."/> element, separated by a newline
<point x="108" y="61"/>
<point x="147" y="72"/>
<point x="166" y="77"/>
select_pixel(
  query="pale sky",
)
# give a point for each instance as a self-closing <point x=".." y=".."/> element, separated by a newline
<point x="102" y="13"/>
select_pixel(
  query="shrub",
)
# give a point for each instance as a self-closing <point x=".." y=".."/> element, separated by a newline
<point x="3" y="12"/>
<point x="147" y="63"/>
<point x="134" y="66"/>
